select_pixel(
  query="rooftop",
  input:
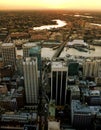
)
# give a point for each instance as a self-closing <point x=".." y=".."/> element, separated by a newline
<point x="95" y="93"/>
<point x="30" y="44"/>
<point x="78" y="107"/>
<point x="7" y="45"/>
<point x="30" y="59"/>
<point x="57" y="65"/>
<point x="36" y="49"/>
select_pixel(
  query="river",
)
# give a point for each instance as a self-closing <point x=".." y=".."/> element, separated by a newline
<point x="59" y="24"/>
<point x="95" y="24"/>
<point x="84" y="16"/>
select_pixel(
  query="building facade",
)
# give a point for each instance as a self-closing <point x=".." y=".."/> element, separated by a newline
<point x="27" y="47"/>
<point x="92" y="68"/>
<point x="31" y="80"/>
<point x="53" y="125"/>
<point x="9" y="54"/>
<point x="36" y="52"/>
<point x="0" y="49"/>
<point x="59" y="73"/>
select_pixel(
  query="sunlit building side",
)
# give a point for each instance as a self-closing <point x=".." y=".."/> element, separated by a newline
<point x="31" y="80"/>
<point x="8" y="54"/>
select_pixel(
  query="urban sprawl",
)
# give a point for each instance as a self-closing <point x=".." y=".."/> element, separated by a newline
<point x="50" y="70"/>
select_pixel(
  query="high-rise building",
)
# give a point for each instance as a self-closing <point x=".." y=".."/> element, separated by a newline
<point x="8" y="54"/>
<point x="92" y="68"/>
<point x="73" y="68"/>
<point x="59" y="73"/>
<point x="98" y="68"/>
<point x="27" y="47"/>
<point x="19" y="65"/>
<point x="36" y="52"/>
<point x="0" y="48"/>
<point x="31" y="80"/>
<point x="1" y="63"/>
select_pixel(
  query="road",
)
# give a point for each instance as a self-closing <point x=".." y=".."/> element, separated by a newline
<point x="59" y="50"/>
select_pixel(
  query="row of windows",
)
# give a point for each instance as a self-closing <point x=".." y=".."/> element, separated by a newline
<point x="9" y="57"/>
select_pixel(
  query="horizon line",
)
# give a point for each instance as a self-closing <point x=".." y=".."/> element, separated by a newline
<point x="91" y="10"/>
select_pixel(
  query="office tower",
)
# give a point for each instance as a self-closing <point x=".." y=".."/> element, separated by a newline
<point x="73" y="68"/>
<point x="31" y="80"/>
<point x="8" y="54"/>
<point x="88" y="68"/>
<point x="19" y="65"/>
<point x="92" y="68"/>
<point x="59" y="72"/>
<point x="1" y="63"/>
<point x="36" y="52"/>
<point x="98" y="68"/>
<point x="27" y="47"/>
<point x="0" y="49"/>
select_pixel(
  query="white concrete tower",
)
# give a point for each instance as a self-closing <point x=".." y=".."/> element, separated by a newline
<point x="31" y="80"/>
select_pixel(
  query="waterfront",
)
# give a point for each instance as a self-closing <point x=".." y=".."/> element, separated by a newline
<point x="49" y="52"/>
<point x="75" y="52"/>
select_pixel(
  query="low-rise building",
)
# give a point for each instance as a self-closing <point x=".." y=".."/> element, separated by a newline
<point x="3" y="89"/>
<point x="53" y="125"/>
<point x="82" y="115"/>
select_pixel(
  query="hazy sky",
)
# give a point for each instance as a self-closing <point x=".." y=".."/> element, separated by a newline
<point x="50" y="4"/>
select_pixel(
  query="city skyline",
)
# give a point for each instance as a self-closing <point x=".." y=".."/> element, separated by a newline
<point x="47" y="4"/>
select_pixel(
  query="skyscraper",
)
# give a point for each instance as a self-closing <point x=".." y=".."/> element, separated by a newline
<point x="73" y="68"/>
<point x="59" y="73"/>
<point x="36" y="52"/>
<point x="92" y="68"/>
<point x="27" y="47"/>
<point x="0" y="48"/>
<point x="8" y="54"/>
<point x="31" y="80"/>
